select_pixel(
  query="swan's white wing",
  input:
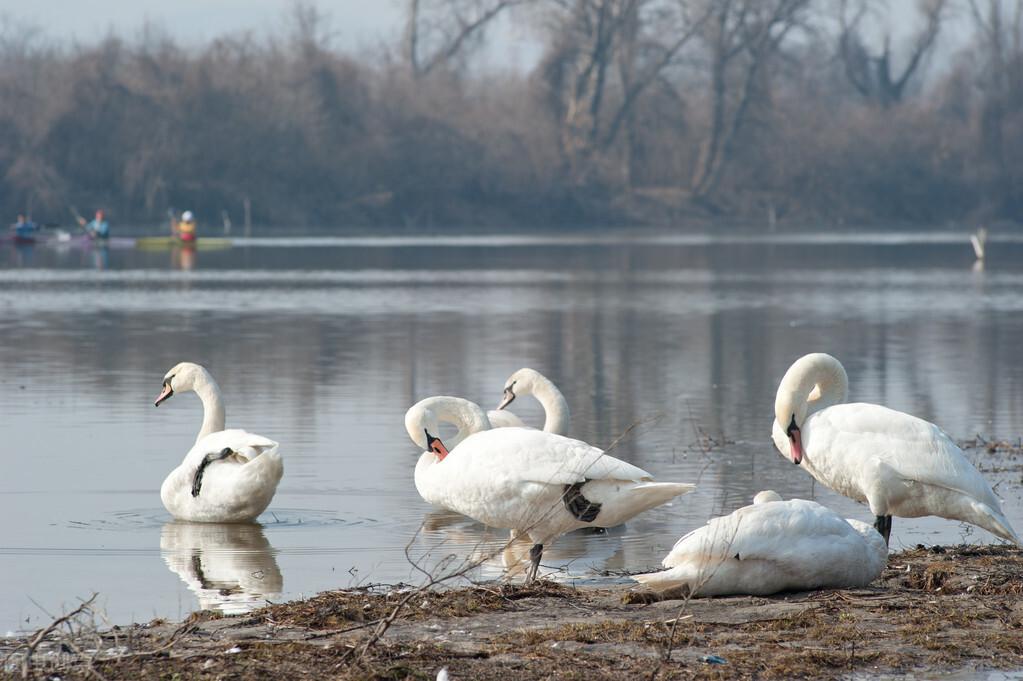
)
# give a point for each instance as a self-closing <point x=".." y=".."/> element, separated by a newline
<point x="233" y="489"/>
<point x="535" y="456"/>
<point x="502" y="418"/>
<point x="247" y="446"/>
<point x="914" y="449"/>
<point x="768" y="531"/>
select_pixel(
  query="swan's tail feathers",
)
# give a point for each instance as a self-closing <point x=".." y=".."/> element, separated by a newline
<point x="663" y="580"/>
<point x="657" y="493"/>
<point x="995" y="523"/>
<point x="618" y="501"/>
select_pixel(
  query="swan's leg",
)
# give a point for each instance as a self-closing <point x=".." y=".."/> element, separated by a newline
<point x="883" y="524"/>
<point x="534" y="562"/>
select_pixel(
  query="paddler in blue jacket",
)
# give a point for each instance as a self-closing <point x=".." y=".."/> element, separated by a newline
<point x="98" y="229"/>
<point x="24" y="229"/>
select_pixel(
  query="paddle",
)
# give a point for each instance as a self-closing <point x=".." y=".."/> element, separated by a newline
<point x="79" y="218"/>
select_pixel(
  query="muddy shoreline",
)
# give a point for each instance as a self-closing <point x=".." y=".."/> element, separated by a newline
<point x="934" y="611"/>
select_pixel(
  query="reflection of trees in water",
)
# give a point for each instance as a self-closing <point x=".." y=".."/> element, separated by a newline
<point x="701" y="335"/>
<point x="616" y="362"/>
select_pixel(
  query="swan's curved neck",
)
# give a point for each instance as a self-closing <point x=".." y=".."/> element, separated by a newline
<point x="466" y="419"/>
<point x="212" y="405"/>
<point x="554" y="405"/>
<point x="818" y="381"/>
<point x="830" y="387"/>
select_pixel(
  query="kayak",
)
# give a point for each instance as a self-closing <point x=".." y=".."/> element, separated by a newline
<point x="16" y="239"/>
<point x="160" y="243"/>
<point x="64" y="239"/>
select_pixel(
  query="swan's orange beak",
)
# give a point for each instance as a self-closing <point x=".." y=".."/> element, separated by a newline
<point x="436" y="446"/>
<point x="797" y="446"/>
<point x="164" y="395"/>
<point x="795" y="441"/>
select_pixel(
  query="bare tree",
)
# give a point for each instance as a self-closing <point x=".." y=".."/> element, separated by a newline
<point x="873" y="75"/>
<point x="742" y="36"/>
<point x="590" y="38"/>
<point x="437" y="31"/>
<point x="999" y="28"/>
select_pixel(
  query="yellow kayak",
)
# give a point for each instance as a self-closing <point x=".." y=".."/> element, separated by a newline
<point x="162" y="243"/>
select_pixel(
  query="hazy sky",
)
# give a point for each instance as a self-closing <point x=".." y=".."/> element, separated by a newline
<point x="356" y="20"/>
<point x="358" y="24"/>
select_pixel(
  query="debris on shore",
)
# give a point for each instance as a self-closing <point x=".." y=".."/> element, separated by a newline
<point x="947" y="608"/>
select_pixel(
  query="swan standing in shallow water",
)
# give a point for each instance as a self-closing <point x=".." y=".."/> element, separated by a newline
<point x="898" y="464"/>
<point x="531" y="382"/>
<point x="229" y="475"/>
<point x="536" y="484"/>
<point x="772" y="546"/>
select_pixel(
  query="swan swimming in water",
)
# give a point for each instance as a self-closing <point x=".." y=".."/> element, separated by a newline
<point x="538" y="485"/>
<point x="229" y="475"/>
<point x="898" y="464"/>
<point x="531" y="382"/>
<point x="772" y="546"/>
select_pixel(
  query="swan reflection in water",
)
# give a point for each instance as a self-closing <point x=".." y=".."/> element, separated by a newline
<point x="230" y="567"/>
<point x="575" y="554"/>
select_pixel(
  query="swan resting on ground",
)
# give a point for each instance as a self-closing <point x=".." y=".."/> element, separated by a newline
<point x="538" y="485"/>
<point x="228" y="476"/>
<point x="531" y="382"/>
<point x="898" y="464"/>
<point x="769" y="547"/>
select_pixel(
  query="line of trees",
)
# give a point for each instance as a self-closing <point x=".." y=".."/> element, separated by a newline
<point x="639" y="111"/>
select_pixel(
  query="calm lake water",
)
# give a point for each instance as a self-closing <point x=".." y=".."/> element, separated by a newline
<point x="322" y="344"/>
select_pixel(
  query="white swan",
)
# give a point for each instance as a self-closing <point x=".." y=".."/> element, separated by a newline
<point x="772" y="546"/>
<point x="536" y="484"/>
<point x="229" y="475"/>
<point x="898" y="464"/>
<point x="230" y="567"/>
<point x="531" y="382"/>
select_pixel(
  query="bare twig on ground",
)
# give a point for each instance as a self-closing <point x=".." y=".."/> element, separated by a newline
<point x="33" y="643"/>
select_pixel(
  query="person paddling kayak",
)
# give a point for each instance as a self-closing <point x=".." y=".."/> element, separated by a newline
<point x="185" y="228"/>
<point x="98" y="229"/>
<point x="24" y="229"/>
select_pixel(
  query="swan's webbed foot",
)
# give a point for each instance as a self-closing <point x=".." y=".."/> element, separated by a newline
<point x="883" y="524"/>
<point x="534" y="562"/>
<point x="206" y="461"/>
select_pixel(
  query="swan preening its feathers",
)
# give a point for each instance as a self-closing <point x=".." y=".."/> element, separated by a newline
<point x="531" y="382"/>
<point x="769" y="547"/>
<point x="541" y="485"/>
<point x="898" y="464"/>
<point x="229" y="475"/>
<point x="534" y="483"/>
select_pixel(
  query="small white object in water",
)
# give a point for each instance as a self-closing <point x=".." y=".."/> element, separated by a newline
<point x="979" y="240"/>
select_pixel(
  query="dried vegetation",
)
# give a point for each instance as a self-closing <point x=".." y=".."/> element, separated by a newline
<point x="949" y="608"/>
